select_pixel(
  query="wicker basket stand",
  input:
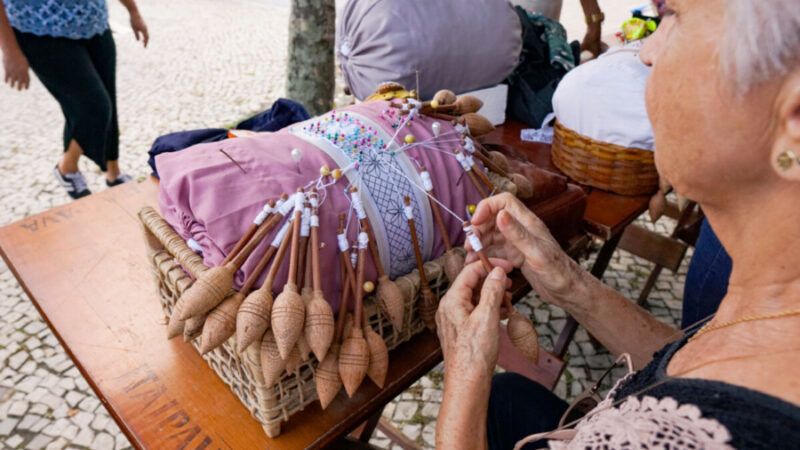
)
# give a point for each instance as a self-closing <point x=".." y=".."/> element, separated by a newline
<point x="174" y="265"/>
<point x="623" y="170"/>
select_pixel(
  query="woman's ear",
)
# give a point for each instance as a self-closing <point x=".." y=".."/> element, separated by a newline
<point x="786" y="149"/>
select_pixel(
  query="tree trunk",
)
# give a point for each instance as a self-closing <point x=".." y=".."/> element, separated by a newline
<point x="310" y="72"/>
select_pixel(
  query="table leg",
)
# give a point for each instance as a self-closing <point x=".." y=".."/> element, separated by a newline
<point x="364" y="431"/>
<point x="598" y="269"/>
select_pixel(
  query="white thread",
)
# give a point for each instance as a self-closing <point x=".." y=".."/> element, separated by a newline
<point x="468" y="144"/>
<point x="415" y="104"/>
<point x="305" y="222"/>
<point x="276" y="242"/>
<point x="474" y="242"/>
<point x="470" y="161"/>
<point x="315" y="221"/>
<point x="260" y="218"/>
<point x="409" y="210"/>
<point x="353" y="260"/>
<point x="299" y="198"/>
<point x="363" y="240"/>
<point x="461" y="128"/>
<point x="314" y="201"/>
<point x="194" y="246"/>
<point x="342" y="240"/>
<point x="427" y="183"/>
<point x="358" y="205"/>
<point x="462" y="161"/>
<point x="286" y="207"/>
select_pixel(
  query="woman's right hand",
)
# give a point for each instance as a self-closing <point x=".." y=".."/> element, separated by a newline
<point x="510" y="231"/>
<point x="15" y="65"/>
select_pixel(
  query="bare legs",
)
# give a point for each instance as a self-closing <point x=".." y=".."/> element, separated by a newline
<point x="69" y="162"/>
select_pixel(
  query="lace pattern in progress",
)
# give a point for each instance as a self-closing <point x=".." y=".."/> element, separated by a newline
<point x="647" y="423"/>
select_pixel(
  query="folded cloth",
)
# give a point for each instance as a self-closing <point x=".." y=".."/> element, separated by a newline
<point x="206" y="197"/>
<point x="283" y="113"/>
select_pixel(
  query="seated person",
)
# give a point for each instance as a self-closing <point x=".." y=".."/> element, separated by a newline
<point x="707" y="278"/>
<point x="726" y="117"/>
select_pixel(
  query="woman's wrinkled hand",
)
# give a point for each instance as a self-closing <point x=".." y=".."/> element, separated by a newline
<point x="509" y="230"/>
<point x="15" y="65"/>
<point x="139" y="28"/>
<point x="468" y="333"/>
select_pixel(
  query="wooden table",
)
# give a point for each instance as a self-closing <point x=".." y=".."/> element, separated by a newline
<point x="83" y="265"/>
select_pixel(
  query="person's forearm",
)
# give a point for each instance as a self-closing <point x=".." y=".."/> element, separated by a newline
<point x="8" y="43"/>
<point x="462" y="418"/>
<point x="130" y="5"/>
<point x="590" y="7"/>
<point x="618" y="323"/>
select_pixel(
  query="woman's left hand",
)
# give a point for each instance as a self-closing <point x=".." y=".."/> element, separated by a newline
<point x="469" y="334"/>
<point x="139" y="28"/>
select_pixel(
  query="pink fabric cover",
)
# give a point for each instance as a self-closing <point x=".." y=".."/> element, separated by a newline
<point x="204" y="196"/>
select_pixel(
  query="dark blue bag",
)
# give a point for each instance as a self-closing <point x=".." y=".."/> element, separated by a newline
<point x="283" y="113"/>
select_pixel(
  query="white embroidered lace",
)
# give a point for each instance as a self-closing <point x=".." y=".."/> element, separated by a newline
<point x="646" y="423"/>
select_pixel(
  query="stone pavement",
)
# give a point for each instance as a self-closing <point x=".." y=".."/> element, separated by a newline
<point x="209" y="63"/>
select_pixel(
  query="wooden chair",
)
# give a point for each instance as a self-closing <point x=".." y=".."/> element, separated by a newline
<point x="666" y="252"/>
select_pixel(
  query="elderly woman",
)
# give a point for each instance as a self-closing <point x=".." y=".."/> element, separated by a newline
<point x="724" y="99"/>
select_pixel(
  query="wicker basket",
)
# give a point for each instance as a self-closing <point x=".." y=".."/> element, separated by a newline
<point x="624" y="170"/>
<point x="171" y="258"/>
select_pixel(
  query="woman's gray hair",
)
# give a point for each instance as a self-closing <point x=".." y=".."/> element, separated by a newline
<point x="762" y="41"/>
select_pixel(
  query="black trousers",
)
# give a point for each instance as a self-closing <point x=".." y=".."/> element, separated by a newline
<point x="81" y="75"/>
<point x="519" y="407"/>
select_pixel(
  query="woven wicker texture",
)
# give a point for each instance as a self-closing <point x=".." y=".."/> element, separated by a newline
<point x="270" y="405"/>
<point x="623" y="170"/>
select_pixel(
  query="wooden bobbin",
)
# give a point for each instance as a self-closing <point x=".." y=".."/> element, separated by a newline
<point x="327" y="377"/>
<point x="221" y="322"/>
<point x="520" y="329"/>
<point x="389" y="298"/>
<point x="445" y="97"/>
<point x="427" y="303"/>
<point x="305" y="293"/>
<point x="470" y="174"/>
<point x="491" y="164"/>
<point x="477" y="124"/>
<point x="453" y="260"/>
<point x="272" y="364"/>
<point x="288" y="312"/>
<point x="354" y="354"/>
<point x="253" y="317"/>
<point x="378" y="354"/>
<point x="214" y="284"/>
<point x="524" y="186"/>
<point x="251" y="230"/>
<point x="193" y="327"/>
<point x="319" y="316"/>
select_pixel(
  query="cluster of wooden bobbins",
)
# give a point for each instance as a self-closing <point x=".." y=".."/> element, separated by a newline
<point x="299" y="321"/>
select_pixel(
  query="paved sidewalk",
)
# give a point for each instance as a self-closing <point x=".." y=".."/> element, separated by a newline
<point x="209" y="63"/>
